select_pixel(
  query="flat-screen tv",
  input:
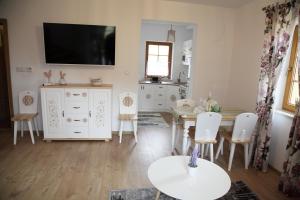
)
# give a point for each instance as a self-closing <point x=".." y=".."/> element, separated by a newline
<point x="79" y="44"/>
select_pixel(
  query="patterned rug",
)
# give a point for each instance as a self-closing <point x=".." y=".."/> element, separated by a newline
<point x="238" y="191"/>
<point x="150" y="119"/>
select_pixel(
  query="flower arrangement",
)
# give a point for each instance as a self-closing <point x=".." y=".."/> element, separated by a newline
<point x="193" y="159"/>
<point x="212" y="105"/>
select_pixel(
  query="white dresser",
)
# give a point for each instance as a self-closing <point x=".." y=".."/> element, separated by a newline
<point x="76" y="111"/>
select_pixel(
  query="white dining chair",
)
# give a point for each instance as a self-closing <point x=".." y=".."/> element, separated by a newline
<point x="244" y="126"/>
<point x="28" y="112"/>
<point x="128" y="112"/>
<point x="207" y="126"/>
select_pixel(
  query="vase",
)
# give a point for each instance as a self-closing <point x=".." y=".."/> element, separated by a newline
<point x="192" y="171"/>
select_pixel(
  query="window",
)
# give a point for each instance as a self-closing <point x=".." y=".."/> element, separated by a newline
<point x="158" y="59"/>
<point x="291" y="93"/>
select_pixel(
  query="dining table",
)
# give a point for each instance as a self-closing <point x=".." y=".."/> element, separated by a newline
<point x="188" y="116"/>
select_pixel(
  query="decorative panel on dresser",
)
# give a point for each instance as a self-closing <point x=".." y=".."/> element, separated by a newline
<point x="76" y="111"/>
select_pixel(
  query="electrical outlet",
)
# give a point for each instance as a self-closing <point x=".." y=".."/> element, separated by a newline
<point x="24" y="69"/>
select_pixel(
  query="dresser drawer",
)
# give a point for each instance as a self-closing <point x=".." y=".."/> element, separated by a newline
<point x="76" y="94"/>
<point x="76" y="120"/>
<point x="78" y="132"/>
<point x="76" y="107"/>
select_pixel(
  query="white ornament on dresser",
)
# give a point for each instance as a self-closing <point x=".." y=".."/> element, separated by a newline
<point x="76" y="111"/>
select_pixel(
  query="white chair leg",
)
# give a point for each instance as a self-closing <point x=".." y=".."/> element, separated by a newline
<point x="246" y="152"/>
<point x="206" y="149"/>
<point x="35" y="126"/>
<point x="134" y="123"/>
<point x="211" y="151"/>
<point x="202" y="150"/>
<point x="15" y="131"/>
<point x="120" y="132"/>
<point x="232" y="149"/>
<point x="30" y="130"/>
<point x="22" y="128"/>
<point x="220" y="148"/>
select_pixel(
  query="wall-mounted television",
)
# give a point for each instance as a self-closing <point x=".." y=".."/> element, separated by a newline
<point x="79" y="44"/>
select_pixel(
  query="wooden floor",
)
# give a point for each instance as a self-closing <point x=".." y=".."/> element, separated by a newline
<point x="90" y="169"/>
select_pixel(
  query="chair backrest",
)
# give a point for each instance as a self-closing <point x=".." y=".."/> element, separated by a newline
<point x="207" y="126"/>
<point x="185" y="103"/>
<point x="128" y="103"/>
<point x="244" y="126"/>
<point x="28" y="102"/>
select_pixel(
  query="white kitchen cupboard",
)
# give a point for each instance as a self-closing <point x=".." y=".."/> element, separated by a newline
<point x="76" y="111"/>
<point x="145" y="97"/>
<point x="157" y="97"/>
<point x="173" y="94"/>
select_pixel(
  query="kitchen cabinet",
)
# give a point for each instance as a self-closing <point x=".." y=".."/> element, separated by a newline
<point x="157" y="97"/>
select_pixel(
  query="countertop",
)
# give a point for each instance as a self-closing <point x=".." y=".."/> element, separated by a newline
<point x="163" y="83"/>
<point x="78" y="85"/>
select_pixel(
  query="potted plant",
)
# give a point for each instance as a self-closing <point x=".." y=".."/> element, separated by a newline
<point x="192" y="166"/>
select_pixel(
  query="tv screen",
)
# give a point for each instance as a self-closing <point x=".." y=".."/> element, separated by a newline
<point x="79" y="44"/>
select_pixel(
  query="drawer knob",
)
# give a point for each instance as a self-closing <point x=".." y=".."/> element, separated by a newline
<point x="75" y="94"/>
<point x="76" y="120"/>
<point x="69" y="120"/>
<point x="84" y="94"/>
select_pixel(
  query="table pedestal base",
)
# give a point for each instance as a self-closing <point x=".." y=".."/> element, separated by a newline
<point x="157" y="195"/>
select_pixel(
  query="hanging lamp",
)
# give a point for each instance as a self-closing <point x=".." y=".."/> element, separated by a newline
<point x="171" y="35"/>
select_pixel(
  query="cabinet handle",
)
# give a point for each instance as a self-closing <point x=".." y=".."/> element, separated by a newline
<point x="159" y="104"/>
<point x="63" y="113"/>
<point x="77" y="132"/>
<point x="75" y="94"/>
<point x="76" y="107"/>
<point x="76" y="120"/>
<point x="90" y="113"/>
<point x="160" y="95"/>
<point x="160" y="87"/>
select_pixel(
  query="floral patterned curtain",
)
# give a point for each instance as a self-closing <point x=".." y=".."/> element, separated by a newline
<point x="278" y="22"/>
<point x="290" y="177"/>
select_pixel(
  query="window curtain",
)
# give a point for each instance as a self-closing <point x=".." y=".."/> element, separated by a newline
<point x="289" y="182"/>
<point x="279" y="25"/>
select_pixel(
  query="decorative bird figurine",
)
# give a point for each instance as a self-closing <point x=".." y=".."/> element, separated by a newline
<point x="48" y="76"/>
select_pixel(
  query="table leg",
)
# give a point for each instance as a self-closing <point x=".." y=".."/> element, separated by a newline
<point x="185" y="138"/>
<point x="173" y="133"/>
<point x="157" y="195"/>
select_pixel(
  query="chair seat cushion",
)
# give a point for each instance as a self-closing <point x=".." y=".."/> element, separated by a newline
<point x="127" y="117"/>
<point x="23" y="116"/>
<point x="191" y="134"/>
<point x="228" y="136"/>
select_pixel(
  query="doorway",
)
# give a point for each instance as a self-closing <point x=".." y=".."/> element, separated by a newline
<point x="6" y="107"/>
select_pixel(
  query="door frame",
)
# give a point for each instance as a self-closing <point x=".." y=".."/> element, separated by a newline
<point x="3" y="22"/>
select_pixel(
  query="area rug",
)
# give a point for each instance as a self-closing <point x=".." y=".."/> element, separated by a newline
<point x="238" y="191"/>
<point x="150" y="119"/>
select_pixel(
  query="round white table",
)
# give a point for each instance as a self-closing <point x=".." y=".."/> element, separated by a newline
<point x="170" y="176"/>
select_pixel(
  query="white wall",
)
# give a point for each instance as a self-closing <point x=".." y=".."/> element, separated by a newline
<point x="157" y="31"/>
<point x="243" y="84"/>
<point x="211" y="66"/>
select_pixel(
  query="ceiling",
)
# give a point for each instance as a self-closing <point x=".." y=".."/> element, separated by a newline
<point x="221" y="3"/>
